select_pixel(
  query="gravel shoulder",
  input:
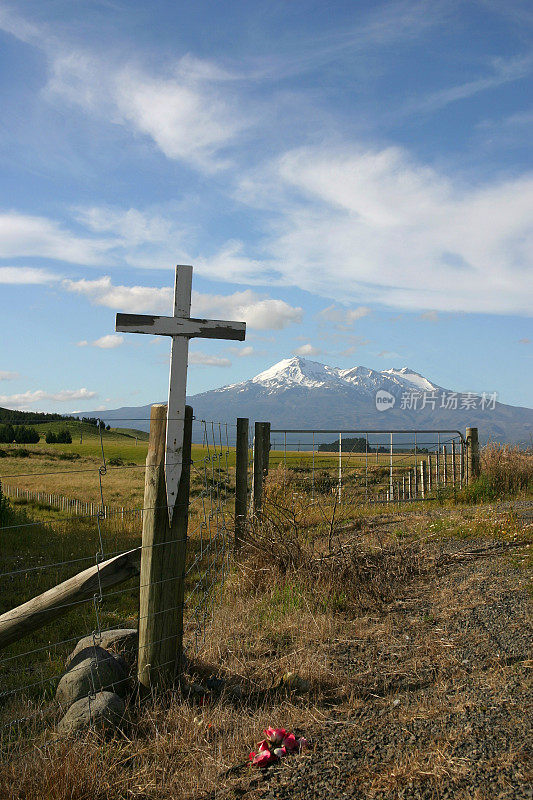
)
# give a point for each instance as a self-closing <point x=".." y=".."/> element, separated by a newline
<point x="437" y="702"/>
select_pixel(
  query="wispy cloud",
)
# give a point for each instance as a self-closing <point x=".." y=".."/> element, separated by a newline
<point x="183" y="111"/>
<point x="243" y="352"/>
<point x="502" y="71"/>
<point x="378" y="226"/>
<point x="27" y="399"/>
<point x="342" y="318"/>
<point x="108" y="342"/>
<point x="307" y="350"/>
<point x="25" y="235"/>
<point x="430" y="316"/>
<point x="388" y="354"/>
<point x="26" y="275"/>
<point x="206" y="360"/>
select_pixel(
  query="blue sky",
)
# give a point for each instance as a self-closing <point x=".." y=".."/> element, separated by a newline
<point x="353" y="179"/>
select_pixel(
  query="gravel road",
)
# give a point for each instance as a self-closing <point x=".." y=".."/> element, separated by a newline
<point x="439" y="700"/>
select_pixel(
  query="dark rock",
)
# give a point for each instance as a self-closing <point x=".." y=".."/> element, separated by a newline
<point x="92" y="670"/>
<point x="105" y="711"/>
<point x="123" y="641"/>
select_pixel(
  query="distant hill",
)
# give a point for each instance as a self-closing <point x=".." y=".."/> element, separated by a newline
<point x="298" y="393"/>
<point x="55" y="422"/>
<point x="26" y="417"/>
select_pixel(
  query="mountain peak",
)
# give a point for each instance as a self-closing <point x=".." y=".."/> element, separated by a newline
<point x="296" y="370"/>
<point x="415" y="378"/>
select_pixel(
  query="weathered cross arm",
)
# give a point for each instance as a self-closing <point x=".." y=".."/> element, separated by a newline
<point x="181" y="328"/>
<point x="176" y="326"/>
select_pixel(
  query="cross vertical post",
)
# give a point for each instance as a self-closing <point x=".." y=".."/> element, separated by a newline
<point x="181" y="327"/>
<point x="177" y="389"/>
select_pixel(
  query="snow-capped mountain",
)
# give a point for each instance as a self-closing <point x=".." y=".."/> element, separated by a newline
<point x="298" y="371"/>
<point x="299" y="393"/>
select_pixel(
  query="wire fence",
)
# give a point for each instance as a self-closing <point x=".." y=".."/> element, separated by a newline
<point x="48" y="540"/>
<point x="40" y="554"/>
<point x="371" y="466"/>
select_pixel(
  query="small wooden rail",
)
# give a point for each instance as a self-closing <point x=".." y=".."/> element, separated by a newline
<point x="59" y="600"/>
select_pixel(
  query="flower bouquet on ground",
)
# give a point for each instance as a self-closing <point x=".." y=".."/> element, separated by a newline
<point x="276" y="744"/>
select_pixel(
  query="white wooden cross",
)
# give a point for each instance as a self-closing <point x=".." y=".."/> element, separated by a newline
<point x="181" y="327"/>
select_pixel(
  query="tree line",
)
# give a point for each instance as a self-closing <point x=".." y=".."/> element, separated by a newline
<point x="25" y="434"/>
<point x="359" y="444"/>
<point x="18" y="434"/>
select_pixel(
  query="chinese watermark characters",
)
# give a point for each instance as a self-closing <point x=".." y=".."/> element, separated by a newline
<point x="450" y="401"/>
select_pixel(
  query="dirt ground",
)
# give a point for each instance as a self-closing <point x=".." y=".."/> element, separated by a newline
<point x="438" y="699"/>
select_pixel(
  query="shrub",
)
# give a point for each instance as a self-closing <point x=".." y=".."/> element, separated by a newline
<point x="4" y="507"/>
<point x="24" y="434"/>
<point x="61" y="437"/>
<point x="506" y="470"/>
<point x="7" y="434"/>
<point x="279" y="560"/>
<point x="64" y="437"/>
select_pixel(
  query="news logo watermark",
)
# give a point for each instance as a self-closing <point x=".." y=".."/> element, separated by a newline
<point x="449" y="401"/>
<point x="384" y="400"/>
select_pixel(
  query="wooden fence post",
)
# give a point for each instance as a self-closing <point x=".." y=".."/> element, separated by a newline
<point x="162" y="582"/>
<point x="429" y="483"/>
<point x="241" y="479"/>
<point x="444" y="464"/>
<point x="261" y="443"/>
<point x="472" y="455"/>
<point x="454" y="464"/>
<point x="266" y="448"/>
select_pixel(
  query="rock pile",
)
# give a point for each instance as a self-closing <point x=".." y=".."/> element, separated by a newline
<point x="97" y="682"/>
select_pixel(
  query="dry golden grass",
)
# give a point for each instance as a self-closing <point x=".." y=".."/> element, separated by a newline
<point x="508" y="470"/>
<point x="328" y="594"/>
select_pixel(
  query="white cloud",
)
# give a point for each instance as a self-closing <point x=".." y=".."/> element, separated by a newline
<point x="258" y="311"/>
<point x="243" y="352"/>
<point x="183" y="111"/>
<point x="206" y="360"/>
<point x="230" y="263"/>
<point x="26" y="235"/>
<point x="5" y="375"/>
<point x="24" y="400"/>
<point x="135" y="299"/>
<point x="354" y="314"/>
<point x="26" y="275"/>
<point x="342" y="318"/>
<point x="113" y="236"/>
<point x="430" y="316"/>
<point x="129" y="224"/>
<point x="307" y="350"/>
<point x="379" y="227"/>
<point x="108" y="342"/>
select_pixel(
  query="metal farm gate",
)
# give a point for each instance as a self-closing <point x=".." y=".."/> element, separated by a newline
<point x="372" y="465"/>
